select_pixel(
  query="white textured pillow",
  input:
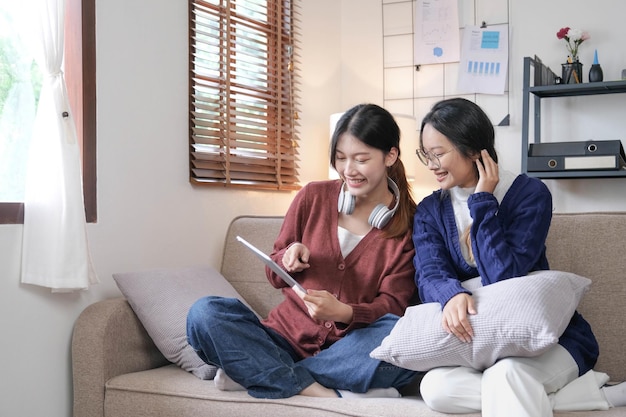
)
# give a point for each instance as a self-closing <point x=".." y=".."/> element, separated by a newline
<point x="521" y="316"/>
<point x="161" y="300"/>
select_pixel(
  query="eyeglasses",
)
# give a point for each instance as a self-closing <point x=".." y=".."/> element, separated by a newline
<point x="427" y="157"/>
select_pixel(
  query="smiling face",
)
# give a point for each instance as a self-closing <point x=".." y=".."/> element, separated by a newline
<point x="363" y="168"/>
<point x="460" y="125"/>
<point x="455" y="170"/>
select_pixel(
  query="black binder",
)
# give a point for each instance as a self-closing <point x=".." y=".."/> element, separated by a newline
<point x="574" y="163"/>
<point x="565" y="156"/>
<point x="590" y="147"/>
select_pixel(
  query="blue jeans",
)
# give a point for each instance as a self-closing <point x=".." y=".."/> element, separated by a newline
<point x="227" y="334"/>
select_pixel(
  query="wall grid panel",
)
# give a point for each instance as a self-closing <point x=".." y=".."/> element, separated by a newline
<point x="412" y="91"/>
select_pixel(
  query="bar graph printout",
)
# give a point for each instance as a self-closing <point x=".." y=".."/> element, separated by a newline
<point x="484" y="59"/>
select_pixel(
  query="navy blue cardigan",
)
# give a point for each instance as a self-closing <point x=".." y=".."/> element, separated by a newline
<point x="508" y="241"/>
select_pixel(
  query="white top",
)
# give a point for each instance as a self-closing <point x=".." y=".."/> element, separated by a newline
<point x="347" y="240"/>
<point x="462" y="216"/>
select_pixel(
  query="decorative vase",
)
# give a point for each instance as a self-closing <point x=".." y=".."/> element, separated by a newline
<point x="572" y="72"/>
<point x="595" y="72"/>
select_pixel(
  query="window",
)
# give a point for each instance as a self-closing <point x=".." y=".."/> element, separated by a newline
<point x="80" y="77"/>
<point x="243" y="107"/>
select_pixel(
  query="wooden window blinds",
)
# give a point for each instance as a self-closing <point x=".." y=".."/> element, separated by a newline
<point x="243" y="107"/>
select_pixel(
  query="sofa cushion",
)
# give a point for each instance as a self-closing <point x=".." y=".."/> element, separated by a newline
<point x="168" y="391"/>
<point x="161" y="299"/>
<point x="521" y="316"/>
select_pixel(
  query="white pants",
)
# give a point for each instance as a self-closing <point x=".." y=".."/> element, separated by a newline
<point x="516" y="387"/>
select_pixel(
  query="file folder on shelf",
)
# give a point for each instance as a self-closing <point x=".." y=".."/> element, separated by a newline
<point x="590" y="147"/>
<point x="565" y="156"/>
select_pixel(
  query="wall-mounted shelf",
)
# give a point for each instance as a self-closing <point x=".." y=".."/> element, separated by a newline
<point x="556" y="175"/>
<point x="583" y="89"/>
<point x="538" y="92"/>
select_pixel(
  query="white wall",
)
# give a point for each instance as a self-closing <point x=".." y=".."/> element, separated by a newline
<point x="534" y="27"/>
<point x="149" y="214"/>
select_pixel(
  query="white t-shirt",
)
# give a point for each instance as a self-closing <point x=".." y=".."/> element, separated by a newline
<point x="347" y="240"/>
<point x="462" y="216"/>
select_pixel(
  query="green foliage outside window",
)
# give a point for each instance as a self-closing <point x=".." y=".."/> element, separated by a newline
<point x="8" y="74"/>
<point x="20" y="86"/>
<point x="6" y="77"/>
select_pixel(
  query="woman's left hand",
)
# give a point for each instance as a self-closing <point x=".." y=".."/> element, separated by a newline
<point x="487" y="173"/>
<point x="322" y="305"/>
<point x="454" y="318"/>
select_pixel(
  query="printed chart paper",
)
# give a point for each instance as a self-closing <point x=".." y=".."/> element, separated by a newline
<point x="484" y="60"/>
<point x="436" y="32"/>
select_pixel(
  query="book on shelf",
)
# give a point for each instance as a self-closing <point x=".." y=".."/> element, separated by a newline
<point x="543" y="74"/>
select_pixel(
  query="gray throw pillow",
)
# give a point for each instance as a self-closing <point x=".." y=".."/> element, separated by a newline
<point x="521" y="316"/>
<point x="161" y="299"/>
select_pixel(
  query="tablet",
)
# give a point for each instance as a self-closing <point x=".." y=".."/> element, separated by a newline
<point x="272" y="265"/>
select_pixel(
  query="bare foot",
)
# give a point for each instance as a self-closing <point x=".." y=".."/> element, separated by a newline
<point x="318" y="390"/>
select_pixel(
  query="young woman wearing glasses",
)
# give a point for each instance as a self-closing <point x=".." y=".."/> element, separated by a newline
<point x="487" y="222"/>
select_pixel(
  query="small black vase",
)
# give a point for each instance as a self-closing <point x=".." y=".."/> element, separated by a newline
<point x="595" y="72"/>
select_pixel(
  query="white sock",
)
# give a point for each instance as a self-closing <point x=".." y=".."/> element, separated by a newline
<point x="224" y="383"/>
<point x="373" y="393"/>
<point x="615" y="394"/>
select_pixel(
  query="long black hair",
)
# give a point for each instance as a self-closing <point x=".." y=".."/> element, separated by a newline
<point x="376" y="127"/>
<point x="469" y="129"/>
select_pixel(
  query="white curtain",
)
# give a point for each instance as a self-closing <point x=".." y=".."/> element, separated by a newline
<point x="55" y="252"/>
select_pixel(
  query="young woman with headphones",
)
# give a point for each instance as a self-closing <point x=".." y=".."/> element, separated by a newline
<point x="348" y="242"/>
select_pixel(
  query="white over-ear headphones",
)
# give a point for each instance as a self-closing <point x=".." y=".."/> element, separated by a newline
<point x="380" y="216"/>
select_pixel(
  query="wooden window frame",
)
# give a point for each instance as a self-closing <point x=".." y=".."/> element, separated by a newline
<point x="80" y="72"/>
<point x="243" y="123"/>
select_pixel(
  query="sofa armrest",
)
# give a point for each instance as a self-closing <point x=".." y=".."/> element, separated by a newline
<point x="108" y="340"/>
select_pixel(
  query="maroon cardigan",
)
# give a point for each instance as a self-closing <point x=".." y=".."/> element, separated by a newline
<point x="376" y="278"/>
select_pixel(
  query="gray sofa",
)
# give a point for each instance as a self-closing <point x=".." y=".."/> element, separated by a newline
<point x="118" y="371"/>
